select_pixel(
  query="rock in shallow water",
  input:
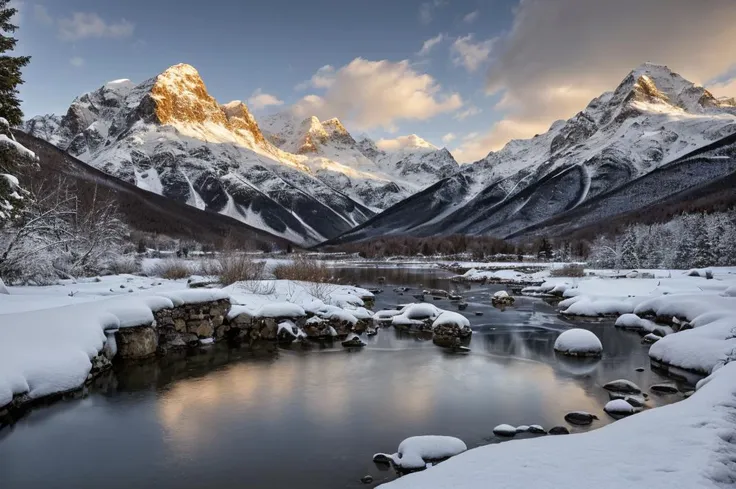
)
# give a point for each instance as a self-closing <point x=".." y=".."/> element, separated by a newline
<point x="579" y="343"/>
<point x="536" y="429"/>
<point x="559" y="430"/>
<point x="619" y="407"/>
<point x="504" y="430"/>
<point x="580" y="418"/>
<point x="353" y="342"/>
<point x="664" y="389"/>
<point x="366" y="479"/>
<point x="623" y="386"/>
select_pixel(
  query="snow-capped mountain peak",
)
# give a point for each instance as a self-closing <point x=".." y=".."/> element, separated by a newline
<point x="305" y="180"/>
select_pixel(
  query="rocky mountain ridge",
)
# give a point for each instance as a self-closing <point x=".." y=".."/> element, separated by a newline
<point x="168" y="135"/>
<point x="654" y="119"/>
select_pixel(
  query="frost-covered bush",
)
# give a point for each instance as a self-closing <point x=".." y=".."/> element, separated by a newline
<point x="60" y="234"/>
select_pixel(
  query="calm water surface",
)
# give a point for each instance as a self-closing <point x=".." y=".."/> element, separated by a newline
<point x="277" y="418"/>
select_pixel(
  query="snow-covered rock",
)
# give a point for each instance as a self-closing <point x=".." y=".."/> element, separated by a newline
<point x="504" y="430"/>
<point x="578" y="342"/>
<point x="619" y="407"/>
<point x="415" y="452"/>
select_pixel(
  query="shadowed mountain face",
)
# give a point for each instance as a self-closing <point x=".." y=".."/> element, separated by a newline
<point x="654" y="137"/>
<point x="142" y="210"/>
<point x="307" y="181"/>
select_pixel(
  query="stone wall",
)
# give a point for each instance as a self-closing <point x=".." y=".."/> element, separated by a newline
<point x="185" y="325"/>
<point x="173" y="328"/>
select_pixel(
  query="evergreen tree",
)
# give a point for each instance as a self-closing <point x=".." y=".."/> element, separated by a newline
<point x="10" y="67"/>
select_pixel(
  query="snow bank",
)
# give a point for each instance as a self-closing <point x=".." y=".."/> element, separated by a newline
<point x="578" y="342"/>
<point x="511" y="276"/>
<point x="691" y="439"/>
<point x="710" y="343"/>
<point x="50" y="350"/>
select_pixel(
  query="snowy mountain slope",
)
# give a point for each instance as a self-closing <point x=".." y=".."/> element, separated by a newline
<point x="145" y="211"/>
<point x="377" y="178"/>
<point x="169" y="136"/>
<point x="652" y="119"/>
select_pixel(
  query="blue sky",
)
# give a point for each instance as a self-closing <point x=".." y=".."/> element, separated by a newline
<point x="508" y="67"/>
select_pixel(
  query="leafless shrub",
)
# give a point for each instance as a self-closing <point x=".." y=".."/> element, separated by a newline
<point x="236" y="267"/>
<point x="304" y="269"/>
<point x="124" y="264"/>
<point x="171" y="268"/>
<point x="569" y="270"/>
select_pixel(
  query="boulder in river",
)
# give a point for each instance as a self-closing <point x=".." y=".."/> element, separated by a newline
<point x="504" y="430"/>
<point x="462" y="306"/>
<point x="502" y="299"/>
<point x="619" y="407"/>
<point x="536" y="429"/>
<point x="353" y="342"/>
<point x="650" y="338"/>
<point x="622" y="385"/>
<point x="580" y="418"/>
<point x="664" y="389"/>
<point x="578" y="342"/>
<point x="559" y="430"/>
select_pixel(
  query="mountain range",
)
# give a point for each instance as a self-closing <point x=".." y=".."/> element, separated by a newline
<point x="305" y="181"/>
<point x="655" y="137"/>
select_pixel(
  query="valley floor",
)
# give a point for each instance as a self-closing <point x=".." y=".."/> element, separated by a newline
<point x="50" y="337"/>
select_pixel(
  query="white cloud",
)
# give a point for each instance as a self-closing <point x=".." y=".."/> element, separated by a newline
<point x="323" y="78"/>
<point x="548" y="68"/>
<point x="725" y="88"/>
<point x="77" y="62"/>
<point x="370" y="94"/>
<point x="470" y="18"/>
<point x="426" y="10"/>
<point x="469" y="112"/>
<point x="430" y="43"/>
<point x="448" y="138"/>
<point x="89" y="25"/>
<point x="259" y="100"/>
<point x="471" y="54"/>
<point x="42" y="16"/>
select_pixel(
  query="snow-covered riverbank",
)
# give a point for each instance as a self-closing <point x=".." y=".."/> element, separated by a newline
<point x="689" y="444"/>
<point x="52" y="337"/>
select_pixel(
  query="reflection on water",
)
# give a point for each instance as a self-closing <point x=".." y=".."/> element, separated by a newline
<point x="234" y="418"/>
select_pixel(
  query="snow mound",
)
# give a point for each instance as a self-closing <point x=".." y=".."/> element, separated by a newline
<point x="416" y="451"/>
<point x="578" y="342"/>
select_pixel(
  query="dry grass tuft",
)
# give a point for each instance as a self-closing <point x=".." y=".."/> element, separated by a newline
<point x="569" y="270"/>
